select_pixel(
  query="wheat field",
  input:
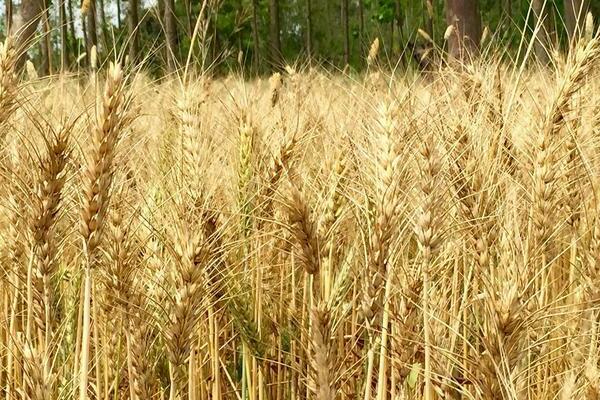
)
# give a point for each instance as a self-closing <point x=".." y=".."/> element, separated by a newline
<point x="307" y="236"/>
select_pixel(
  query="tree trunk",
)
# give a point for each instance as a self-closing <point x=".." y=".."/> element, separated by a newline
<point x="8" y="14"/>
<point x="64" y="51"/>
<point x="542" y="23"/>
<point x="399" y="18"/>
<point x="255" y="36"/>
<point x="330" y="31"/>
<point x="575" y="14"/>
<point x="346" y="32"/>
<point x="71" y="20"/>
<point x="119" y="14"/>
<point x="133" y="22"/>
<point x="46" y="42"/>
<point x="92" y="35"/>
<point x="171" y="34"/>
<point x="274" y="35"/>
<point x="309" y="28"/>
<point x="161" y="10"/>
<point x="464" y="16"/>
<point x="85" y="38"/>
<point x="104" y="27"/>
<point x="188" y="17"/>
<point x="30" y="13"/>
<point x="390" y="53"/>
<point x="428" y="15"/>
<point x="43" y="69"/>
<point x="361" y="21"/>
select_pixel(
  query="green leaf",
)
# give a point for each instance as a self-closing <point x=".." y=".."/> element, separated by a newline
<point x="413" y="375"/>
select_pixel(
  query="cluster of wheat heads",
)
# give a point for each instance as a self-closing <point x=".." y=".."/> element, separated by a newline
<point x="309" y="236"/>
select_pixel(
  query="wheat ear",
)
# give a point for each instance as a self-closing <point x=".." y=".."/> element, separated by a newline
<point x="8" y="81"/>
<point x="112" y="117"/>
<point x="428" y="237"/>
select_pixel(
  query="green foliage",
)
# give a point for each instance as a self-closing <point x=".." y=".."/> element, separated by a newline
<point x="230" y="29"/>
<point x="385" y="12"/>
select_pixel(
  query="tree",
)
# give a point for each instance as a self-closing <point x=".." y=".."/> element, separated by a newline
<point x="385" y="16"/>
<point x="464" y="16"/>
<point x="255" y="35"/>
<point x="346" y="32"/>
<point x="188" y="17"/>
<point x="274" y="34"/>
<point x="29" y="16"/>
<point x="71" y="19"/>
<point x="309" y="29"/>
<point x="64" y="49"/>
<point x="399" y="17"/>
<point x="118" y="14"/>
<point x="575" y="13"/>
<point x="104" y="24"/>
<point x="170" y="33"/>
<point x="507" y="9"/>
<point x="8" y="14"/>
<point x="361" y="21"/>
<point x="294" y="28"/>
<point x="133" y="22"/>
<point x="542" y="30"/>
<point x="91" y="38"/>
<point x="46" y="45"/>
<point x="428" y="15"/>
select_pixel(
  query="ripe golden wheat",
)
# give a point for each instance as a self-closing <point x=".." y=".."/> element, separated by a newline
<point x="309" y="236"/>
